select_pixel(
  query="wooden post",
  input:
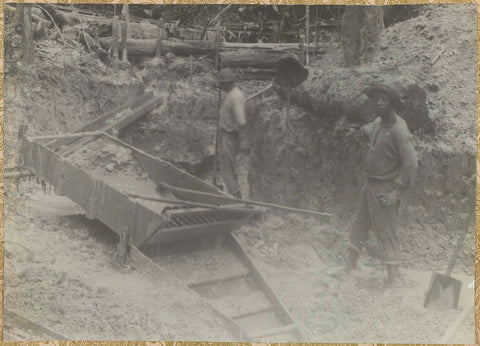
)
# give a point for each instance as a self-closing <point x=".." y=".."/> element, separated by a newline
<point x="307" y="35"/>
<point x="125" y="31"/>
<point x="161" y="29"/>
<point x="190" y="64"/>
<point x="317" y="36"/>
<point x="115" y="42"/>
<point x="217" y="43"/>
<point x="301" y="52"/>
<point x="27" y="33"/>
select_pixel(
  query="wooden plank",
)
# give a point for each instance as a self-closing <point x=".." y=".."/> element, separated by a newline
<point x="262" y="282"/>
<point x="15" y="324"/>
<point x="219" y="280"/>
<point x="255" y="311"/>
<point x="67" y="135"/>
<point x="100" y="121"/>
<point x="274" y="331"/>
<point x="204" y="206"/>
<point x="141" y="261"/>
<point x="135" y="115"/>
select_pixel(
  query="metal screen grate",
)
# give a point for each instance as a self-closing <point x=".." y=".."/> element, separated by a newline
<point x="203" y="218"/>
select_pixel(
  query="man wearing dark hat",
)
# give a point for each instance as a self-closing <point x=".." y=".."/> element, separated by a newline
<point x="390" y="168"/>
<point x="231" y="119"/>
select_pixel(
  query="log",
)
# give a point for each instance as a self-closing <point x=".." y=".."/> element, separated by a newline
<point x="256" y="73"/>
<point x="251" y="58"/>
<point x="148" y="47"/>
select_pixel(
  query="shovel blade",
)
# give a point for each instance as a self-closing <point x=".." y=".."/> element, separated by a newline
<point x="443" y="292"/>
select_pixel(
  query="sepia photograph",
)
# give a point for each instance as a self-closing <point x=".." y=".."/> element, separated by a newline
<point x="240" y="172"/>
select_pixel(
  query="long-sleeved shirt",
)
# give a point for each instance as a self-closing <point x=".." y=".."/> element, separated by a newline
<point x="391" y="154"/>
<point x="232" y="111"/>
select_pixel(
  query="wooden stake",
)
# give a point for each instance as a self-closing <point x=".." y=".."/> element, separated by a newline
<point x="125" y="31"/>
<point x="217" y="43"/>
<point x="307" y="35"/>
<point x="115" y="42"/>
<point x="161" y="29"/>
<point x="190" y="64"/>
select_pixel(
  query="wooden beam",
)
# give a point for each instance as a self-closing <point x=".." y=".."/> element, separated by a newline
<point x="68" y="135"/>
<point x="190" y="204"/>
<point x="100" y="121"/>
<point x="13" y="321"/>
<point x="215" y="281"/>
<point x="194" y="194"/>
<point x="256" y="311"/>
<point x="274" y="331"/>
<point x="135" y="115"/>
<point x="282" y="311"/>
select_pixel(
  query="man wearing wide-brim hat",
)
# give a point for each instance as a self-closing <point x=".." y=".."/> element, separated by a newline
<point x="390" y="168"/>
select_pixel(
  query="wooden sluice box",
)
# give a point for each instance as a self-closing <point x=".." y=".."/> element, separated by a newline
<point x="102" y="175"/>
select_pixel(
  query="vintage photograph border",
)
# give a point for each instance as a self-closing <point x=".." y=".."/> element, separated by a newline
<point x="261" y="2"/>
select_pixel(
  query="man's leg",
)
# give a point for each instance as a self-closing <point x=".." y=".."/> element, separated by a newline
<point x="358" y="236"/>
<point x="384" y="224"/>
<point x="227" y="157"/>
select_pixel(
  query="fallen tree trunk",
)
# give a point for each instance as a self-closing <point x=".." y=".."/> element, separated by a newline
<point x="233" y="54"/>
<point x="252" y="58"/>
<point x="148" y="47"/>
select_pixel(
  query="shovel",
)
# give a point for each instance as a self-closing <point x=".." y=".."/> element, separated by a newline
<point x="444" y="291"/>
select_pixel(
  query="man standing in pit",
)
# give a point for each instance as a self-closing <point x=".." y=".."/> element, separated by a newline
<point x="390" y="169"/>
<point x="231" y="119"/>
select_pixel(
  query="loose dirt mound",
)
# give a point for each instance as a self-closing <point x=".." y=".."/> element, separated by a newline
<point x="61" y="92"/>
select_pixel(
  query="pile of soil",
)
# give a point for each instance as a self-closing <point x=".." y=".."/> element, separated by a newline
<point x="62" y="91"/>
<point x="103" y="157"/>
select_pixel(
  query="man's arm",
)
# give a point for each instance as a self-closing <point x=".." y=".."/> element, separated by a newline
<point x="408" y="157"/>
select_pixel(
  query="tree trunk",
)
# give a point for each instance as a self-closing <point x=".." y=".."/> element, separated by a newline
<point x="26" y="14"/>
<point x="251" y="58"/>
<point x="148" y="47"/>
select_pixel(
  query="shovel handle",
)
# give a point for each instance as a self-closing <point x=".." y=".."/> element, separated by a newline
<point x="458" y="247"/>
